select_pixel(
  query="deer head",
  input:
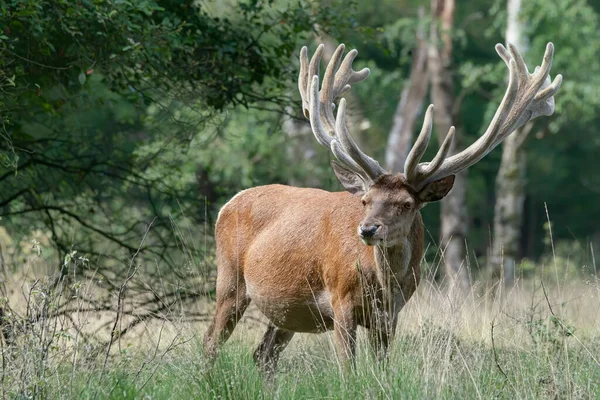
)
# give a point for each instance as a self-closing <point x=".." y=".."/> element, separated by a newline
<point x="392" y="201"/>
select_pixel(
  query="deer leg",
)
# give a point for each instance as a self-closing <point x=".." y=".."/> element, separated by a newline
<point x="384" y="319"/>
<point x="272" y="344"/>
<point x="231" y="304"/>
<point x="380" y="337"/>
<point x="344" y="331"/>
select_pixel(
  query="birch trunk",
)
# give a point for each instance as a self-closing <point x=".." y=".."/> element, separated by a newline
<point x="454" y="220"/>
<point x="510" y="181"/>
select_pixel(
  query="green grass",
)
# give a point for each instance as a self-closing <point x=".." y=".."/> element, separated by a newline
<point x="431" y="364"/>
<point x="527" y="343"/>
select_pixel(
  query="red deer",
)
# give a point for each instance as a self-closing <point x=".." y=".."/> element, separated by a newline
<point x="313" y="260"/>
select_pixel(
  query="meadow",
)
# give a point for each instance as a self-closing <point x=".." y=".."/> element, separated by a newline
<point x="126" y="125"/>
<point x="537" y="340"/>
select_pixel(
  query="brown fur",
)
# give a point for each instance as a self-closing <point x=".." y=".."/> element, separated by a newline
<point x="296" y="253"/>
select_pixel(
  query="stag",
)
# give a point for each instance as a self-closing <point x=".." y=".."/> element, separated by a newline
<point x="313" y="260"/>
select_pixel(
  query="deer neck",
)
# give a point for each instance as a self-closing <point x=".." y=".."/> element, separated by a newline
<point x="392" y="263"/>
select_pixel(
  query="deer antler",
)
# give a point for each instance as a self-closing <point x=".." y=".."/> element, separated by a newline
<point x="528" y="96"/>
<point x="330" y="131"/>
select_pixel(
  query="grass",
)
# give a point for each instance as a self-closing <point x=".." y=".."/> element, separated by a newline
<point x="432" y="365"/>
<point x="532" y="342"/>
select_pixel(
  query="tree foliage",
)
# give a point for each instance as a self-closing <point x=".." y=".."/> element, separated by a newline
<point x="117" y="112"/>
<point x="103" y="102"/>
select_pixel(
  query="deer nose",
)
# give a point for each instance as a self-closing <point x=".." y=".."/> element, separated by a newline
<point x="368" y="231"/>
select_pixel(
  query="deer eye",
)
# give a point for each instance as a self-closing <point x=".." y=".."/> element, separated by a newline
<point x="407" y="206"/>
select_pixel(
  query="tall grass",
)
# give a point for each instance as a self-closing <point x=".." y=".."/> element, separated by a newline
<point x="539" y="339"/>
<point x="525" y="344"/>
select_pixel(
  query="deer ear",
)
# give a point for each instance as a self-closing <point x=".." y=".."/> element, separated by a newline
<point x="436" y="190"/>
<point x="349" y="179"/>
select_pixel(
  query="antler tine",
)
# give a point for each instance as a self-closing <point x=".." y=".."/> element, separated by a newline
<point x="537" y="95"/>
<point x="322" y="136"/>
<point x="308" y="69"/>
<point x="315" y="62"/>
<point x="545" y="106"/>
<point x="503" y="52"/>
<point x="522" y="70"/>
<point x="318" y="106"/>
<point x="544" y="71"/>
<point x="416" y="153"/>
<point x="420" y="146"/>
<point x="329" y="79"/>
<point x="344" y="158"/>
<point x="549" y="90"/>
<point x="303" y="85"/>
<point x="440" y="156"/>
<point x="346" y="75"/>
<point x="527" y="97"/>
<point x="483" y="145"/>
<point x="328" y="91"/>
<point x="368" y="164"/>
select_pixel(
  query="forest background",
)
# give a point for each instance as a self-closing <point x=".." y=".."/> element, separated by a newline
<point x="126" y="125"/>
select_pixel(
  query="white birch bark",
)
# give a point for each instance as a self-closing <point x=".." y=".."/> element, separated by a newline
<point x="454" y="221"/>
<point x="510" y="181"/>
<point x="413" y="94"/>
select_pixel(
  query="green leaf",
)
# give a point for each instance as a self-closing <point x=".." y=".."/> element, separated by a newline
<point x="82" y="78"/>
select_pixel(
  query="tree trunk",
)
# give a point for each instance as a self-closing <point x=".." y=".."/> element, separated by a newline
<point x="302" y="148"/>
<point x="508" y="211"/>
<point x="453" y="211"/>
<point x="510" y="181"/>
<point x="410" y="105"/>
